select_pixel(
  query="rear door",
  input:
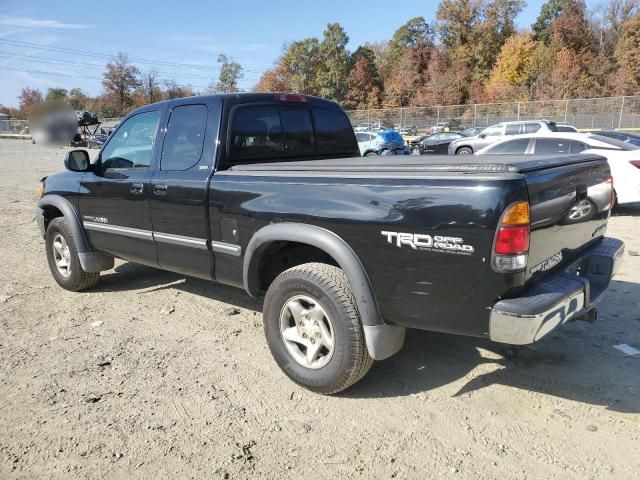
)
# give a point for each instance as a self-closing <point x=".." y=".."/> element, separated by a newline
<point x="114" y="199"/>
<point x="179" y="187"/>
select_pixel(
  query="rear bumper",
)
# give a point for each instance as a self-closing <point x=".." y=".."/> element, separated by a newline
<point x="567" y="295"/>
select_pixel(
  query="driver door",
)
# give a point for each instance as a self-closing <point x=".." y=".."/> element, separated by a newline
<point x="114" y="198"/>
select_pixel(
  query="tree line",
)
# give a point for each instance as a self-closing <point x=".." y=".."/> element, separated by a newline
<point x="125" y="88"/>
<point x="471" y="53"/>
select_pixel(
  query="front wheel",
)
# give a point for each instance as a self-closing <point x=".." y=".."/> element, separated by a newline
<point x="313" y="328"/>
<point x="371" y="154"/>
<point x="63" y="259"/>
<point x="464" y="151"/>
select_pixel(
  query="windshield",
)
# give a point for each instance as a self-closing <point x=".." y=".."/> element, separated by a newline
<point x="614" y="142"/>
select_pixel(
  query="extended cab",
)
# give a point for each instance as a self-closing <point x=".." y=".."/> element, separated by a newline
<point x="267" y="192"/>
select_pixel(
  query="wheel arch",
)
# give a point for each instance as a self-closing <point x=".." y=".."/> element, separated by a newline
<point x="53" y="203"/>
<point x="324" y="240"/>
<point x="90" y="261"/>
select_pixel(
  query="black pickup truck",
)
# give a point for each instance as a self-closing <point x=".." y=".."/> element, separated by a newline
<point x="266" y="192"/>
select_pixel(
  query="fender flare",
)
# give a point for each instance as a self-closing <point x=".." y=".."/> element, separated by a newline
<point x="383" y="340"/>
<point x="90" y="261"/>
<point x="71" y="215"/>
<point x="328" y="242"/>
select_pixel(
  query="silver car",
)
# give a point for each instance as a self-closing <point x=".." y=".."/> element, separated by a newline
<point x="495" y="133"/>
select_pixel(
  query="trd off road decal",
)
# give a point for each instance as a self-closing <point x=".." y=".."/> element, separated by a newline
<point x="431" y="243"/>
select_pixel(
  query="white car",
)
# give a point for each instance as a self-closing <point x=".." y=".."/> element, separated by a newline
<point x="624" y="158"/>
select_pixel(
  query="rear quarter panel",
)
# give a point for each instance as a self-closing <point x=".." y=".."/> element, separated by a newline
<point x="429" y="288"/>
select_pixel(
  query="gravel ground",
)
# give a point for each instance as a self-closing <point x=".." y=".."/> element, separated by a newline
<point x="154" y="375"/>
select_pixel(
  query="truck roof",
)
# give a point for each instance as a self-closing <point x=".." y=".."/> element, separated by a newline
<point x="231" y="99"/>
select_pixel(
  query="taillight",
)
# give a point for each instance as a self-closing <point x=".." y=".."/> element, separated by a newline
<point x="512" y="240"/>
<point x="290" y="97"/>
<point x="612" y="197"/>
<point x="511" y="245"/>
<point x="635" y="163"/>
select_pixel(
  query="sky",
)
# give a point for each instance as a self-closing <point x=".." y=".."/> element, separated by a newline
<point x="45" y="43"/>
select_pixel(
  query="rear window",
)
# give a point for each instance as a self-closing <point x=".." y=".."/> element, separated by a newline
<point x="531" y="127"/>
<point x="615" y="144"/>
<point x="551" y="146"/>
<point x="260" y="132"/>
<point x="511" y="147"/>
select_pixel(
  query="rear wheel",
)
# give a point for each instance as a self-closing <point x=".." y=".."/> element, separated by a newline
<point x="313" y="328"/>
<point x="371" y="154"/>
<point x="63" y="259"/>
<point x="464" y="151"/>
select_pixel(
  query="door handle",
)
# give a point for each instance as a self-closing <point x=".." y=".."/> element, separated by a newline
<point x="160" y="189"/>
<point x="137" y="188"/>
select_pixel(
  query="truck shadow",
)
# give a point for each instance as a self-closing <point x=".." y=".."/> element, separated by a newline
<point x="627" y="210"/>
<point x="577" y="362"/>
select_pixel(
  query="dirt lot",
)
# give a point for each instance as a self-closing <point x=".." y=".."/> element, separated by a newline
<point x="154" y="375"/>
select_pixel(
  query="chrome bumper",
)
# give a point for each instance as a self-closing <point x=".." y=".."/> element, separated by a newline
<point x="559" y="298"/>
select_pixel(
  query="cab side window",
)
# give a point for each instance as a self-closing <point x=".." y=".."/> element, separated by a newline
<point x="131" y="146"/>
<point x="184" y="140"/>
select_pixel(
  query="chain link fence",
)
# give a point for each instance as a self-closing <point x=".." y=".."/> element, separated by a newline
<point x="584" y="114"/>
<point x="14" y="127"/>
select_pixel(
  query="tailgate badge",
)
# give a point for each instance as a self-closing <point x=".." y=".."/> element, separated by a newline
<point x="548" y="264"/>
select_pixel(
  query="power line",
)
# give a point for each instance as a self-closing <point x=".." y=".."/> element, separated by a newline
<point x="127" y="44"/>
<point x="66" y="75"/>
<point x="37" y="59"/>
<point x="91" y="54"/>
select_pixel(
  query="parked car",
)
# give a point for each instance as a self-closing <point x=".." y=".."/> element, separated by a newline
<point x="348" y="252"/>
<point x="495" y="133"/>
<point x="624" y="158"/>
<point x="97" y="140"/>
<point x="563" y="127"/>
<point x="408" y="131"/>
<point x="436" y="143"/>
<point x="386" y="142"/>
<point x="632" y="138"/>
<point x="472" y="131"/>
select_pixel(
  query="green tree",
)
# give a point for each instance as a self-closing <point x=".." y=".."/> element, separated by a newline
<point x="56" y="95"/>
<point x="548" y="13"/>
<point x="301" y="60"/>
<point x="230" y="73"/>
<point x="333" y="68"/>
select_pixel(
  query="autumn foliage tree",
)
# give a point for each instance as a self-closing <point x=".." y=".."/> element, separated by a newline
<point x="120" y="79"/>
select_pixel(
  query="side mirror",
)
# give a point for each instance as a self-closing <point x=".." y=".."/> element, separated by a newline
<point x="77" y="161"/>
<point x="482" y="135"/>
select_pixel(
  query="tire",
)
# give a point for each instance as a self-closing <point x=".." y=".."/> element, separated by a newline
<point x="303" y="289"/>
<point x="464" y="151"/>
<point x="61" y="249"/>
<point x="371" y="154"/>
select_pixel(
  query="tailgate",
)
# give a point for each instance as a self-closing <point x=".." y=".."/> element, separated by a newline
<point x="570" y="204"/>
